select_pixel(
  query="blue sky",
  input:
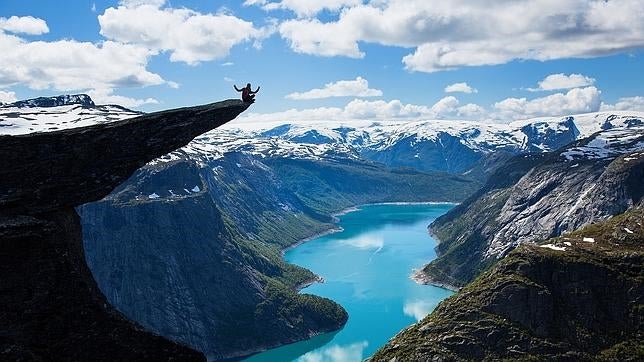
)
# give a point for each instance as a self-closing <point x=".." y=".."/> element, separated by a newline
<point x="380" y="59"/>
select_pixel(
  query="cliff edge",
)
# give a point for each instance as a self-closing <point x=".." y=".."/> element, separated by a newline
<point x="52" y="307"/>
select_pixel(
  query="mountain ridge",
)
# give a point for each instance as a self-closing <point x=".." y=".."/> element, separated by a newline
<point x="535" y="197"/>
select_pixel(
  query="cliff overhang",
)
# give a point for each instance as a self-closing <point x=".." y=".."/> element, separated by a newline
<point x="52" y="307"/>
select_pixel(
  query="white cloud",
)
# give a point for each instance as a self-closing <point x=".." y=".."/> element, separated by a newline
<point x="305" y="36"/>
<point x="379" y="110"/>
<point x="445" y="106"/>
<point x="460" y="87"/>
<point x="358" y="87"/>
<point x="625" y="104"/>
<point x="106" y="96"/>
<point x="561" y="81"/>
<point x="189" y="36"/>
<point x="449" y="34"/>
<point x="336" y="353"/>
<point x="471" y="110"/>
<point x="72" y="65"/>
<point x="7" y="96"/>
<point x="24" y="25"/>
<point x="227" y="64"/>
<point x="305" y="7"/>
<point x="577" y="100"/>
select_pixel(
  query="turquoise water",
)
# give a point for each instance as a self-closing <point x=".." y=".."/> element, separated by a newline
<point x="366" y="269"/>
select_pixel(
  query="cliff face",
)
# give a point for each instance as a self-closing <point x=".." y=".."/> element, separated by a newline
<point x="534" y="197"/>
<point x="576" y="297"/>
<point x="183" y="266"/>
<point x="190" y="245"/>
<point x="52" y="308"/>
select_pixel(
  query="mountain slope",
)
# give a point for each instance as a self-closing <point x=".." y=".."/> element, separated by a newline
<point x="534" y="197"/>
<point x="52" y="307"/>
<point x="577" y="297"/>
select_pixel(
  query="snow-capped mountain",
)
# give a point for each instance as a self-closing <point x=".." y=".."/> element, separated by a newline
<point x="436" y="145"/>
<point x="539" y="196"/>
<point x="47" y="114"/>
<point x="430" y="145"/>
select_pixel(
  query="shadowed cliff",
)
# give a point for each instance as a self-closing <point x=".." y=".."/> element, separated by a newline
<point x="52" y="308"/>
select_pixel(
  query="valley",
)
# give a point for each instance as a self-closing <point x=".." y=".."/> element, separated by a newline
<point x="365" y="267"/>
<point x="191" y="245"/>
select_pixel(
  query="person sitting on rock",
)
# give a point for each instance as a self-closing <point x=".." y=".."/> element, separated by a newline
<point x="247" y="94"/>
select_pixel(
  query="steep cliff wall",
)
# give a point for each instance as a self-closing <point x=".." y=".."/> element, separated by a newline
<point x="52" y="308"/>
<point x="534" y="197"/>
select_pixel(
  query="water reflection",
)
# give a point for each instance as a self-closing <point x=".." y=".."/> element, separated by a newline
<point x="366" y="269"/>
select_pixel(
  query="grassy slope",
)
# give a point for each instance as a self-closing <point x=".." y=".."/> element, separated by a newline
<point x="584" y="303"/>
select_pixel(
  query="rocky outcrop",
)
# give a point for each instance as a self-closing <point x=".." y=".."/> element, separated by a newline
<point x="46" y="171"/>
<point x="52" y="308"/>
<point x="574" y="298"/>
<point x="534" y="197"/>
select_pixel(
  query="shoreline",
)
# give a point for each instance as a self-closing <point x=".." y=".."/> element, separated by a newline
<point x="415" y="276"/>
<point x="319" y="279"/>
<point x="330" y="230"/>
<point x="419" y="277"/>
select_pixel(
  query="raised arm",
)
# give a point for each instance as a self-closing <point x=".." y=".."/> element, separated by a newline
<point x="257" y="90"/>
<point x="238" y="90"/>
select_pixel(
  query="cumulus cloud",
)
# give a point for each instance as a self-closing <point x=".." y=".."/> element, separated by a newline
<point x="460" y="87"/>
<point x="24" y="25"/>
<point x="471" y="111"/>
<point x="457" y="33"/>
<point x="304" y="36"/>
<point x="561" y="81"/>
<point x="577" y="100"/>
<point x="106" y="96"/>
<point x="379" y="110"/>
<point x="7" y="96"/>
<point x="304" y="8"/>
<point x="72" y="65"/>
<point x="188" y="36"/>
<point x="625" y="104"/>
<point x="358" y="87"/>
<point x="445" y="106"/>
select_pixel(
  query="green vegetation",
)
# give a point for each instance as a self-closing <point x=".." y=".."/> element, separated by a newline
<point x="327" y="186"/>
<point x="308" y="192"/>
<point x="581" y="303"/>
